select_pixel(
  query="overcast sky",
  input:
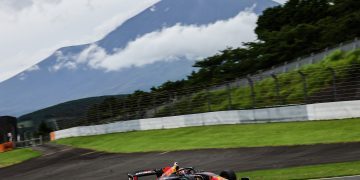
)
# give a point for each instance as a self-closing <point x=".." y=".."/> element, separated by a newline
<point x="31" y="30"/>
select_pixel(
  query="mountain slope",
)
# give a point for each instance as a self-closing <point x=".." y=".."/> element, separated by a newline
<point x="57" y="79"/>
<point x="74" y="110"/>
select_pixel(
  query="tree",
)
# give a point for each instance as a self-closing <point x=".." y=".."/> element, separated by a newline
<point x="44" y="129"/>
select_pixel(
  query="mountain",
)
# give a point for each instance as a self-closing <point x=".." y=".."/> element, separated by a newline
<point x="46" y="84"/>
<point x="71" y="111"/>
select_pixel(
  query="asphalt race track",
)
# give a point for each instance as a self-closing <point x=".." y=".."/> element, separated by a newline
<point x="61" y="162"/>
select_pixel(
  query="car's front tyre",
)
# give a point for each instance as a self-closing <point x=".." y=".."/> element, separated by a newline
<point x="228" y="174"/>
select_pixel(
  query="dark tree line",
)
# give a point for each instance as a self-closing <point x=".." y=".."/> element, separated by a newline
<point x="296" y="29"/>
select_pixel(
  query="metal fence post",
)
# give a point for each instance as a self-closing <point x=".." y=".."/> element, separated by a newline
<point x="228" y="89"/>
<point x="355" y="43"/>
<point x="284" y="68"/>
<point x="237" y="80"/>
<point x="340" y="46"/>
<point x="208" y="99"/>
<point x="312" y="58"/>
<point x="154" y="104"/>
<point x="251" y="83"/>
<point x="277" y="88"/>
<point x="298" y="63"/>
<point x="138" y="115"/>
<point x="334" y="79"/>
<point x="41" y="140"/>
<point x="326" y="53"/>
<point x="123" y="109"/>
<point x="190" y="104"/>
<point x="175" y="111"/>
<point x="303" y="77"/>
<point x="171" y="104"/>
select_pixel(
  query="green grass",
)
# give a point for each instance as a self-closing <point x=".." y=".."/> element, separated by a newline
<point x="223" y="136"/>
<point x="318" y="78"/>
<point x="305" y="172"/>
<point x="17" y="156"/>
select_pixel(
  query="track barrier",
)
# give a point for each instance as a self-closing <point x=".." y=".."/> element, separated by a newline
<point x="6" y="147"/>
<point x="309" y="112"/>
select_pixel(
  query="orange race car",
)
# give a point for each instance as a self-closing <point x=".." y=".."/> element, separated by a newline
<point x="177" y="173"/>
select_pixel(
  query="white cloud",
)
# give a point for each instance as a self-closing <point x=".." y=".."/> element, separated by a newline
<point x="281" y="1"/>
<point x="15" y="5"/>
<point x="22" y="76"/>
<point x="33" y="68"/>
<point x="63" y="61"/>
<point x="32" y="29"/>
<point x="172" y="43"/>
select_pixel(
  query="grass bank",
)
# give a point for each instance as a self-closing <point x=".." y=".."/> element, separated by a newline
<point x="223" y="136"/>
<point x="291" y="88"/>
<point x="17" y="156"/>
<point x="305" y="172"/>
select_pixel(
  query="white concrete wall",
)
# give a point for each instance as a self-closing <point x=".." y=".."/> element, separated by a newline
<point x="321" y="111"/>
<point x="333" y="110"/>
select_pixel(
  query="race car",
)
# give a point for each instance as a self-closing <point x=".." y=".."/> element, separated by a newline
<point x="188" y="173"/>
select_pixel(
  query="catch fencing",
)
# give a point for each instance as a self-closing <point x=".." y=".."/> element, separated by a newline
<point x="287" y="85"/>
<point x="319" y="111"/>
<point x="295" y="64"/>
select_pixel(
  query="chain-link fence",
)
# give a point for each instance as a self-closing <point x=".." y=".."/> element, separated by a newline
<point x="297" y="63"/>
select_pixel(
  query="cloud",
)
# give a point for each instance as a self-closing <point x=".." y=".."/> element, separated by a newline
<point x="13" y="5"/>
<point x="172" y="43"/>
<point x="33" y="68"/>
<point x="63" y="61"/>
<point x="90" y="56"/>
<point x="33" y="29"/>
<point x="281" y="1"/>
<point x="22" y="76"/>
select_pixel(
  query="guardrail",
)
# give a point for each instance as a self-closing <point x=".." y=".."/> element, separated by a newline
<point x="30" y="142"/>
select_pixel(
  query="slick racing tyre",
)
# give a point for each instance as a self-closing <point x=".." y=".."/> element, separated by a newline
<point x="230" y="175"/>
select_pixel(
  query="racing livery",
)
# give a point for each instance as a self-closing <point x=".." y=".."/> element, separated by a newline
<point x="176" y="173"/>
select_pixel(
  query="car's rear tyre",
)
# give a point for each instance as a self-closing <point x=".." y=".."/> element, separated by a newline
<point x="228" y="174"/>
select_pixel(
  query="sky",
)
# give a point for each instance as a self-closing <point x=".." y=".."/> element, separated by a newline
<point x="31" y="30"/>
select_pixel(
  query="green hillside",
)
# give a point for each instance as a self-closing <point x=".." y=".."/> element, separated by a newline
<point x="319" y="82"/>
<point x="70" y="111"/>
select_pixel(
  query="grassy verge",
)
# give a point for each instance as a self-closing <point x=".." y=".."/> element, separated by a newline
<point x="319" y="80"/>
<point x="305" y="172"/>
<point x="17" y="156"/>
<point x="223" y="136"/>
